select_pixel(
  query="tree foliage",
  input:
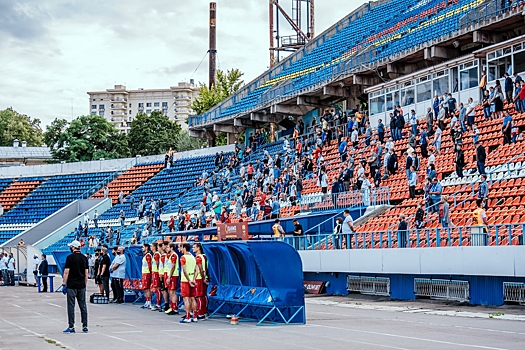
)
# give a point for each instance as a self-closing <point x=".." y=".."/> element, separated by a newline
<point x="227" y="84"/>
<point x="86" y="138"/>
<point x="14" y="125"/>
<point x="153" y="134"/>
<point x="187" y="143"/>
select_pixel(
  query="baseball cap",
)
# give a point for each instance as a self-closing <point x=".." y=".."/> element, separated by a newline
<point x="75" y="244"/>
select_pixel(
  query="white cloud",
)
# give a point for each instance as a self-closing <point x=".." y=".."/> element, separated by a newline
<point x="53" y="52"/>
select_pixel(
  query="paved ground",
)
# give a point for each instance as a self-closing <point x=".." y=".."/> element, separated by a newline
<point x="29" y="320"/>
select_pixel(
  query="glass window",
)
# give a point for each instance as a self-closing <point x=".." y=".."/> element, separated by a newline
<point x="141" y="105"/>
<point x="148" y="111"/>
<point x="93" y="106"/>
<point x="497" y="68"/>
<point x="130" y="111"/>
<point x="148" y="104"/>
<point x="440" y="85"/>
<point x="424" y="92"/>
<point x="469" y="78"/>
<point x="164" y="104"/>
<point x="407" y="97"/>
<point x="93" y="113"/>
<point x="519" y="62"/>
<point x="130" y="105"/>
<point x="101" y="113"/>
<point x="101" y="107"/>
<point x="156" y="104"/>
<point x="377" y="104"/>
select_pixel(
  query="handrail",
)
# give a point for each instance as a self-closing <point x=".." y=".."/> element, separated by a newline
<point x="105" y="180"/>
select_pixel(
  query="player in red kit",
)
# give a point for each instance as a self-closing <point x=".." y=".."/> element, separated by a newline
<point x="201" y="281"/>
<point x="163" y="248"/>
<point x="172" y="279"/>
<point x="155" y="278"/>
<point x="187" y="283"/>
<point x="146" y="274"/>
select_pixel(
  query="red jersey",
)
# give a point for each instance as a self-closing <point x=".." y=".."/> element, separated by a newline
<point x="156" y="257"/>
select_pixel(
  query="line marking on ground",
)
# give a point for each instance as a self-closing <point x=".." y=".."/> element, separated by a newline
<point x="127" y="341"/>
<point x="39" y="335"/>
<point x="55" y="305"/>
<point x="128" y="324"/>
<point x="175" y="330"/>
<point x="126" y="332"/>
<point x="414" y="338"/>
<point x="16" y="306"/>
<point x="222" y="329"/>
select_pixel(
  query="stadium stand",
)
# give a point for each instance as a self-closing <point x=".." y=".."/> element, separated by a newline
<point x="14" y="191"/>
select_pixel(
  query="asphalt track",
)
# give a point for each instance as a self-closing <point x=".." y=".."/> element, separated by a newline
<point x="29" y="320"/>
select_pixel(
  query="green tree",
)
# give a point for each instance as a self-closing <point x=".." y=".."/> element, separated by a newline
<point x="86" y="138"/>
<point x="185" y="142"/>
<point x="153" y="134"/>
<point x="14" y="125"/>
<point x="227" y="84"/>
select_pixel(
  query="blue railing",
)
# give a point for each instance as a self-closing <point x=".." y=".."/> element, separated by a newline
<point x="492" y="235"/>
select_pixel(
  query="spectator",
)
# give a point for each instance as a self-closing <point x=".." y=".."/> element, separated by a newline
<point x="323" y="182"/>
<point x="392" y="163"/>
<point x="103" y="271"/>
<point x="368" y="133"/>
<point x="297" y="233"/>
<point x="412" y="140"/>
<point x="460" y="160"/>
<point x="106" y="191"/>
<point x="522" y="95"/>
<point x="412" y="181"/>
<point x="354" y="137"/>
<point x="435" y="195"/>
<point x="480" y="221"/>
<point x="444" y="213"/>
<point x="36" y="262"/>
<point x="429" y="118"/>
<point x="516" y="99"/>
<point x="462" y="116"/>
<point x="420" y="214"/>
<point x="95" y="218"/>
<point x="381" y="130"/>
<point x="3" y="268"/>
<point x="343" y="150"/>
<point x="402" y="229"/>
<point x="413" y="122"/>
<point x="423" y="143"/>
<point x="508" y="87"/>
<point x="393" y="132"/>
<point x="11" y="265"/>
<point x="43" y="272"/>
<point x="122" y="218"/>
<point x="435" y="105"/>
<point x="121" y="197"/>
<point x="74" y="285"/>
<point x="507" y="128"/>
<point x="470" y="112"/>
<point x="452" y="104"/>
<point x="486" y="104"/>
<point x="400" y="124"/>
<point x="497" y="102"/>
<point x="373" y="162"/>
<point x="483" y="191"/>
<point x="441" y="116"/>
<point x="437" y="140"/>
<point x="481" y="156"/>
<point x="482" y="82"/>
<point x="338" y="230"/>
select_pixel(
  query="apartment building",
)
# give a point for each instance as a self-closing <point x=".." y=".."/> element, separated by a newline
<point x="120" y="105"/>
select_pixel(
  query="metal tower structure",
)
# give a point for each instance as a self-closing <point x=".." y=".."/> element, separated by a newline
<point x="300" y="38"/>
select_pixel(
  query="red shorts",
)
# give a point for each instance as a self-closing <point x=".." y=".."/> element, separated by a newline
<point x="146" y="280"/>
<point x="200" y="288"/>
<point x="173" y="283"/>
<point x="155" y="280"/>
<point x="186" y="291"/>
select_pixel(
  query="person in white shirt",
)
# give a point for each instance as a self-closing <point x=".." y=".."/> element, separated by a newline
<point x="11" y="265"/>
<point x="1" y="209"/>
<point x="95" y="218"/>
<point x="144" y="234"/>
<point x="118" y="270"/>
<point x="36" y="262"/>
<point x="354" y="137"/>
<point x="86" y="219"/>
<point x="413" y="121"/>
<point x="431" y="158"/>
<point x="437" y="140"/>
<point x="471" y="112"/>
<point x="3" y="268"/>
<point x="348" y="229"/>
<point x="323" y="182"/>
<point x="389" y="144"/>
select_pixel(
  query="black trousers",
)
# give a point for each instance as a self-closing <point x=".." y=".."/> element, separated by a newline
<point x="118" y="290"/>
<point x="412" y="191"/>
<point x="105" y="284"/>
<point x="424" y="151"/>
<point x="44" y="284"/>
<point x="459" y="170"/>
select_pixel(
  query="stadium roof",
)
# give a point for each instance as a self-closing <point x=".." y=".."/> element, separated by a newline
<point x="24" y="153"/>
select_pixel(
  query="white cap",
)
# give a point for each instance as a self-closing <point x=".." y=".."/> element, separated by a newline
<point x="75" y="244"/>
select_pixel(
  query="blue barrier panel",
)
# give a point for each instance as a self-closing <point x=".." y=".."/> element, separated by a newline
<point x="256" y="280"/>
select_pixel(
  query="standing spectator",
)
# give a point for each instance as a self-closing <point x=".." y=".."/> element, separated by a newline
<point x="483" y="191"/>
<point x="43" y="272"/>
<point x="122" y="218"/>
<point x="516" y="98"/>
<point x="429" y="118"/>
<point x="121" y="197"/>
<point x="480" y="221"/>
<point x="297" y="233"/>
<point x="441" y="116"/>
<point x="423" y="143"/>
<point x="368" y="133"/>
<point x="482" y="83"/>
<point x="420" y="215"/>
<point x="106" y="191"/>
<point x="452" y="105"/>
<point x="354" y="137"/>
<point x="413" y="122"/>
<point x="412" y="182"/>
<point x="36" y="263"/>
<point x="277" y="229"/>
<point x="118" y="269"/>
<point x="402" y="229"/>
<point x="373" y="162"/>
<point x="460" y="160"/>
<point x="11" y="265"/>
<point x="323" y="182"/>
<point x="481" y="156"/>
<point x="74" y="286"/>
<point x="471" y="112"/>
<point x="348" y="228"/>
<point x="462" y="116"/>
<point x="393" y="134"/>
<point x="95" y="218"/>
<point x="435" y="195"/>
<point x="437" y="140"/>
<point x="444" y="213"/>
<point x="522" y="95"/>
<point x="435" y="106"/>
<point x="507" y="128"/>
<point x="343" y="150"/>
<point x="381" y="130"/>
<point x="508" y="87"/>
<point x="91" y="264"/>
<point x="400" y="124"/>
<point x="338" y="230"/>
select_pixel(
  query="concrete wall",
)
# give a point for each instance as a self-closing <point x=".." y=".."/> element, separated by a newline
<point x="99" y="166"/>
<point x="478" y="261"/>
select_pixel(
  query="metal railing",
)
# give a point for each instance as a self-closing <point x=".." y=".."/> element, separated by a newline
<point x="368" y="285"/>
<point x="514" y="292"/>
<point x="442" y="289"/>
<point x="492" y="235"/>
<point x="346" y="200"/>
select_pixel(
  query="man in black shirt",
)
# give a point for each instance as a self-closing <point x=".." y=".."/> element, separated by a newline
<point x="74" y="284"/>
<point x="104" y="271"/>
<point x="43" y="271"/>
<point x="297" y="233"/>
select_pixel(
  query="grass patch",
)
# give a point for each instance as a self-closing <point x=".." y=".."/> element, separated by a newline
<point x="496" y="314"/>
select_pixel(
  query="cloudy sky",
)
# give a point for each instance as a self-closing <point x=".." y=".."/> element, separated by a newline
<point x="53" y="51"/>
